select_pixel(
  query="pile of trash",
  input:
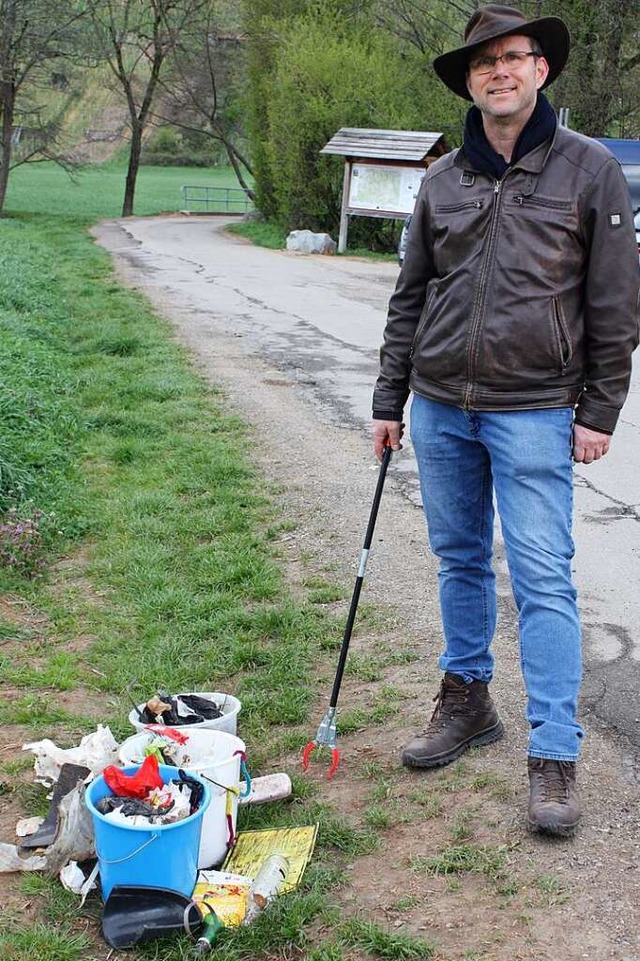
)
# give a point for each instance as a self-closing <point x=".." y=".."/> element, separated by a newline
<point x="101" y="804"/>
<point x="143" y="798"/>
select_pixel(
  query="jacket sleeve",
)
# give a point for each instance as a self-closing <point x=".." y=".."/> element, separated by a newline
<point x="405" y="308"/>
<point x="611" y="299"/>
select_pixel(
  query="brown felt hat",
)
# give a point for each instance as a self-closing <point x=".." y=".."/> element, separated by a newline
<point x="492" y="22"/>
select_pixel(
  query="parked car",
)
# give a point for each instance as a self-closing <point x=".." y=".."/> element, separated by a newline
<point x="402" y="244"/>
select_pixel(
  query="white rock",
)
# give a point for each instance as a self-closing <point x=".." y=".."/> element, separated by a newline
<point x="306" y="242"/>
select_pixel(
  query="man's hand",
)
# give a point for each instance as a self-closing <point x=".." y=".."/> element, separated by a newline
<point x="386" y="433"/>
<point x="589" y="445"/>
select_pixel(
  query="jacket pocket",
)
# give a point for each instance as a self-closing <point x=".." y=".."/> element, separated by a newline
<point x="455" y="208"/>
<point x="545" y="203"/>
<point x="422" y="323"/>
<point x="561" y="334"/>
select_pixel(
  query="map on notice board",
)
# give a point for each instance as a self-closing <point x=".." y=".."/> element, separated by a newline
<point x="376" y="187"/>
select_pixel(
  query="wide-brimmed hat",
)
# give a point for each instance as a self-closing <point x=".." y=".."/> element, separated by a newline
<point x="492" y="22"/>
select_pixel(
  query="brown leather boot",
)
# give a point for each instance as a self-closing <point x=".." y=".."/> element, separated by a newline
<point x="464" y="716"/>
<point x="554" y="805"/>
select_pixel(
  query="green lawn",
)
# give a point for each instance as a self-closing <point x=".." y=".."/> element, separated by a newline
<point x="96" y="192"/>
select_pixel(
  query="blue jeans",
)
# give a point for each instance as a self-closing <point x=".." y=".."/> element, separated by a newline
<point x="525" y="457"/>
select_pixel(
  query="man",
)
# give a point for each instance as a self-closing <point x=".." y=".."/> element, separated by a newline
<point x="513" y="323"/>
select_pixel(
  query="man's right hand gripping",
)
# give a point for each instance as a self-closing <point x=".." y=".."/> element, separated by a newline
<point x="386" y="433"/>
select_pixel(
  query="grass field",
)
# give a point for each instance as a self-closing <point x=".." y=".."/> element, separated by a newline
<point x="95" y="193"/>
<point x="138" y="546"/>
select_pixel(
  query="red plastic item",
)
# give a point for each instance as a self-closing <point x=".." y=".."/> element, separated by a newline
<point x="137" y="785"/>
<point x="168" y="732"/>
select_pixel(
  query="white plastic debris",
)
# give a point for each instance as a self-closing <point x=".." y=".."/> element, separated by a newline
<point x="28" y="826"/>
<point x="73" y="879"/>
<point x="95" y="751"/>
<point x="10" y="860"/>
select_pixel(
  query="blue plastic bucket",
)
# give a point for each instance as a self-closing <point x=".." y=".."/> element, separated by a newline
<point x="157" y="856"/>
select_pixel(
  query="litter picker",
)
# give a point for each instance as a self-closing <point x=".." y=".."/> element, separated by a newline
<point x="326" y="736"/>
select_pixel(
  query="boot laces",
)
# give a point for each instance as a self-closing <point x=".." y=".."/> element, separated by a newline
<point x="555" y="780"/>
<point x="449" y="703"/>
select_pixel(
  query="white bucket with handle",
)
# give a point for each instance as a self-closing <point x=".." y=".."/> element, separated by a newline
<point x="217" y="757"/>
<point x="228" y="721"/>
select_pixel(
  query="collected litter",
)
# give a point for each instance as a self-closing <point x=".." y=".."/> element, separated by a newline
<point x="74" y="840"/>
<point x="10" y="860"/>
<point x="69" y="776"/>
<point x="183" y="709"/>
<point x="266" y="884"/>
<point x="216" y="756"/>
<point x="134" y="914"/>
<point x="252" y="848"/>
<point x="94" y="752"/>
<point x="149" y="851"/>
<point x="204" y="709"/>
<point x="143" y="798"/>
<point x="138" y="812"/>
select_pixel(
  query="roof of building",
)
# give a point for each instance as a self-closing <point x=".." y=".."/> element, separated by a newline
<point x="412" y="145"/>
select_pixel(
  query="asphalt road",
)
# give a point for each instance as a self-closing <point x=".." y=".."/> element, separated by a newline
<point x="319" y="320"/>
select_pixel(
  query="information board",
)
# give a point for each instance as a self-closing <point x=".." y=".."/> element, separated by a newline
<point x="377" y="187"/>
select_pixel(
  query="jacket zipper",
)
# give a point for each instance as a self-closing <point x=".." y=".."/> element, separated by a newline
<point x="482" y="284"/>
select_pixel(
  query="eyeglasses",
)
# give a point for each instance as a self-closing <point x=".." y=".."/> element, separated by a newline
<point x="512" y="58"/>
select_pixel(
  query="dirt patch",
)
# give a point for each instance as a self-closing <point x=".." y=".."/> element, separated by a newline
<point x="513" y="897"/>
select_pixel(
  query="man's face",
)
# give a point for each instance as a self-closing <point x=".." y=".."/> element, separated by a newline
<point x="506" y="90"/>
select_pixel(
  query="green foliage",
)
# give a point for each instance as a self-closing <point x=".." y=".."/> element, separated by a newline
<point x="328" y="69"/>
<point x="600" y="82"/>
<point x="173" y="148"/>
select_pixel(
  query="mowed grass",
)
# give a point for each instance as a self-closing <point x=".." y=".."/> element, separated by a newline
<point x="156" y="536"/>
<point x="94" y="193"/>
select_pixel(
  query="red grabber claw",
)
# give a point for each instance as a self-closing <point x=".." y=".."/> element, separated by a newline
<point x="306" y="754"/>
<point x="326" y="737"/>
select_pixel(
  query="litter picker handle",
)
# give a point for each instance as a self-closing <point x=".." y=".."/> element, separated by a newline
<point x="386" y="457"/>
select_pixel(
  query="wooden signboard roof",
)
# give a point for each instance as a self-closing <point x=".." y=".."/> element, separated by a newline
<point x="393" y="145"/>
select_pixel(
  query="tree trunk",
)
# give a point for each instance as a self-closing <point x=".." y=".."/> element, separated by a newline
<point x="7" y="103"/>
<point x="132" y="170"/>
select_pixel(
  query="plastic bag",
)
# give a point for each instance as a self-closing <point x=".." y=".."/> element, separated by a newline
<point x="95" y="751"/>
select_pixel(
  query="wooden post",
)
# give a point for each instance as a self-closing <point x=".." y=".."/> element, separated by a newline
<point x="344" y="218"/>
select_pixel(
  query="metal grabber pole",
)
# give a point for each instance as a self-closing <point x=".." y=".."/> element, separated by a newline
<point x="326" y="735"/>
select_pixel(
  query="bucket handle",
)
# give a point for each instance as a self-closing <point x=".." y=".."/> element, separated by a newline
<point x="244" y="771"/>
<point x="128" y="856"/>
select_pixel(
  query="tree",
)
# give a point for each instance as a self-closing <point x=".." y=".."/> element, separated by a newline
<point x="203" y="88"/>
<point x="33" y="34"/>
<point x="329" y="70"/>
<point x="600" y="83"/>
<point x="137" y="37"/>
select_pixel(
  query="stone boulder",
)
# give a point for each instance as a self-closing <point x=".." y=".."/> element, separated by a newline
<point x="306" y="242"/>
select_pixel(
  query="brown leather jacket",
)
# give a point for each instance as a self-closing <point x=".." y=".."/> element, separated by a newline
<point x="517" y="294"/>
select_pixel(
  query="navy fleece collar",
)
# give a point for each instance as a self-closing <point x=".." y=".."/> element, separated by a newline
<point x="540" y="127"/>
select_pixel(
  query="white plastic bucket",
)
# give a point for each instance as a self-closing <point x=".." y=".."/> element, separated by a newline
<point x="229" y="705"/>
<point x="216" y="757"/>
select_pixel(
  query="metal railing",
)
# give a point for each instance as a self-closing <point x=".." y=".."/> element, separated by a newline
<point x="215" y="200"/>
